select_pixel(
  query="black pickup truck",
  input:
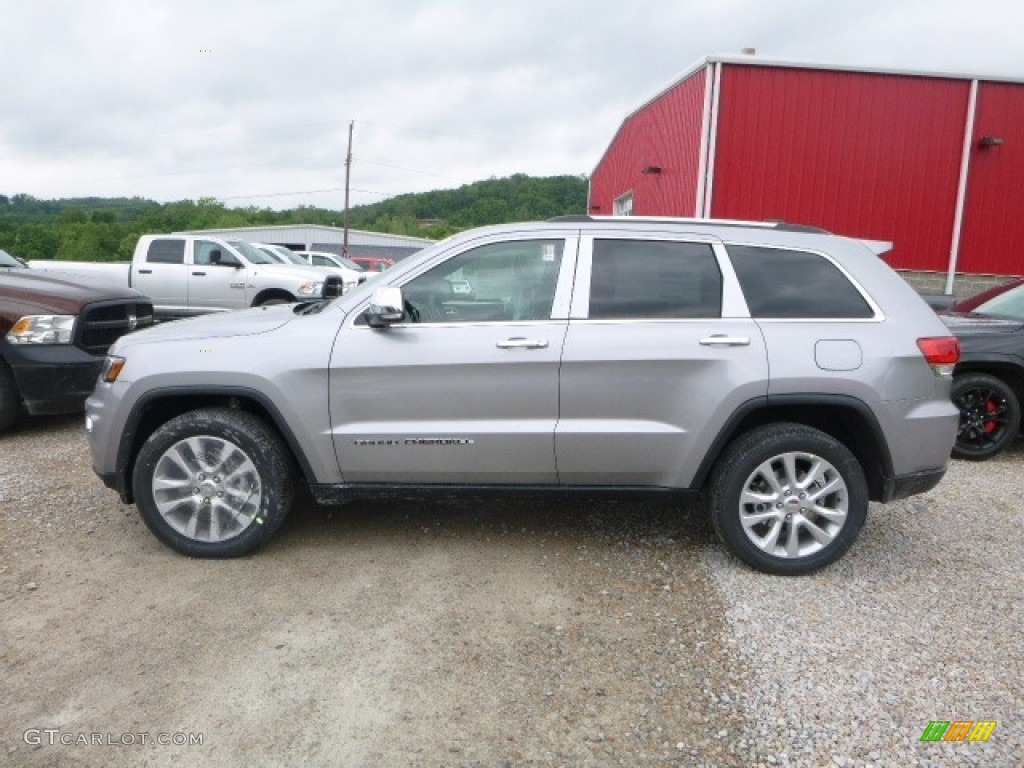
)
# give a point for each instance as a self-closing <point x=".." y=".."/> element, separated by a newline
<point x="54" y="335"/>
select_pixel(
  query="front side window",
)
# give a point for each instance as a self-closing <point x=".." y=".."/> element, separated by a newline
<point x="498" y="282"/>
<point x="207" y="252"/>
<point x="783" y="284"/>
<point x="654" y="279"/>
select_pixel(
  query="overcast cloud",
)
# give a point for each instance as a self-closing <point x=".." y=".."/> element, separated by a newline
<point x="249" y="101"/>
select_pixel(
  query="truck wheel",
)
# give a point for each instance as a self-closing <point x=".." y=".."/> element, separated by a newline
<point x="11" y="408"/>
<point x="989" y="416"/>
<point x="788" y="499"/>
<point x="216" y="482"/>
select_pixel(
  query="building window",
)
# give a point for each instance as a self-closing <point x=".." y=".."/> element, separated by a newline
<point x="624" y="205"/>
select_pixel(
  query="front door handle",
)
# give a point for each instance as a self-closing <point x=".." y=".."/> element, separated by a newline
<point x="520" y="343"/>
<point x="199" y="274"/>
<point x="720" y="339"/>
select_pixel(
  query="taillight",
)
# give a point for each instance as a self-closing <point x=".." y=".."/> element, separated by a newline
<point x="941" y="352"/>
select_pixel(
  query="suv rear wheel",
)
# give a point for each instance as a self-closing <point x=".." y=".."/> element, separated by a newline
<point x="213" y="483"/>
<point x="788" y="499"/>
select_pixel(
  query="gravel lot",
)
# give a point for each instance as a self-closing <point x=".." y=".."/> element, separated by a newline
<point x="515" y="634"/>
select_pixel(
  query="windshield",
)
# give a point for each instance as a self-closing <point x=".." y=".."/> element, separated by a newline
<point x="6" y="260"/>
<point x="1009" y="304"/>
<point x="342" y="261"/>
<point x="252" y="254"/>
<point x="291" y="256"/>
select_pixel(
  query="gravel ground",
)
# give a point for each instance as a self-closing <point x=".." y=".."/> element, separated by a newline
<point x="517" y="634"/>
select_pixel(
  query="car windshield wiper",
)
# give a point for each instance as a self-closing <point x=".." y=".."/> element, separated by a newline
<point x="309" y="307"/>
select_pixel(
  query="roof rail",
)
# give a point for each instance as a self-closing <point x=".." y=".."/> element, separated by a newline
<point x="778" y="224"/>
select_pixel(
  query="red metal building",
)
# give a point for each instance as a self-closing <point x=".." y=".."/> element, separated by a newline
<point x="932" y="162"/>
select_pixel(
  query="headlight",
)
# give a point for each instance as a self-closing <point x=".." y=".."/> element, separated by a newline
<point x="310" y="289"/>
<point x="42" y="329"/>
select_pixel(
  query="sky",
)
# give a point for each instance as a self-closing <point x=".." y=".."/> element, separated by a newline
<point x="250" y="102"/>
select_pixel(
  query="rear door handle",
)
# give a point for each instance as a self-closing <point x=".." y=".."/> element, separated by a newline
<point x="521" y="343"/>
<point x="720" y="339"/>
<point x="145" y="271"/>
<point x="199" y="274"/>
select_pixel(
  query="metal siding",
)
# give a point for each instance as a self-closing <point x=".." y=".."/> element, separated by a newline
<point x="867" y="155"/>
<point x="665" y="133"/>
<point x="992" y="241"/>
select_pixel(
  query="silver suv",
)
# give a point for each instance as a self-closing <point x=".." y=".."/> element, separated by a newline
<point x="788" y="372"/>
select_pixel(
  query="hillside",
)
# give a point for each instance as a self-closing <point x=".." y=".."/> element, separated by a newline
<point x="105" y="229"/>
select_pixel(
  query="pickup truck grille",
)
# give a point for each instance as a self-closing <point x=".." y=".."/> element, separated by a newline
<point x="104" y="322"/>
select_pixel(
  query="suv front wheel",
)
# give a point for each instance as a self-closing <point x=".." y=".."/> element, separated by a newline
<point x="788" y="499"/>
<point x="216" y="482"/>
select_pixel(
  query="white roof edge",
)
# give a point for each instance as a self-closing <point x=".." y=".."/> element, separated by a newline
<point x="228" y="231"/>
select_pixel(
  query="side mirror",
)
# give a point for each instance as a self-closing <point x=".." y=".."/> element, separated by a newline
<point x="218" y="259"/>
<point x="385" y="307"/>
<point x="333" y="287"/>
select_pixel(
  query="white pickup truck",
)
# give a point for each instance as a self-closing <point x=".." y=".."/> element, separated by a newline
<point x="192" y="274"/>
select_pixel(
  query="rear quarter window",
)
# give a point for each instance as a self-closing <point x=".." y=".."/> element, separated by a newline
<point x="785" y="284"/>
<point x="166" y="252"/>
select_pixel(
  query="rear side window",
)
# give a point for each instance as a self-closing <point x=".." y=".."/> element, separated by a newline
<point x="781" y="284"/>
<point x="654" y="279"/>
<point x="166" y="252"/>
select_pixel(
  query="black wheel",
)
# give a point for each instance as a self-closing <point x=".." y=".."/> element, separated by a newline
<point x="215" y="482"/>
<point x="788" y="499"/>
<point x="989" y="416"/>
<point x="11" y="407"/>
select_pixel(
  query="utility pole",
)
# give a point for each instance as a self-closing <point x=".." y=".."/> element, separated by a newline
<point x="348" y="175"/>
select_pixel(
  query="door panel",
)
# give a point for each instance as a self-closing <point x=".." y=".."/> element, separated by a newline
<point x="465" y="390"/>
<point x="212" y="285"/>
<point x="651" y="369"/>
<point x="642" y="401"/>
<point x="161" y="275"/>
<point x="447" y="404"/>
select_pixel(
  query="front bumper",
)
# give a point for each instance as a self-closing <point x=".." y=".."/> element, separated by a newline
<point x="53" y="378"/>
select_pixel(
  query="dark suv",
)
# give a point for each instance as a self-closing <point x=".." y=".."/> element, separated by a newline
<point x="790" y="373"/>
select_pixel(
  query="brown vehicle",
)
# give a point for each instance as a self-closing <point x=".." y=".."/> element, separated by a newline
<point x="54" y="335"/>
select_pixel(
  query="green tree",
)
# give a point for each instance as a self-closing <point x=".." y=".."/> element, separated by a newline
<point x="36" y="241"/>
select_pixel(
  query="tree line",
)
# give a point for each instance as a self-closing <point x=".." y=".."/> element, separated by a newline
<point x="106" y="229"/>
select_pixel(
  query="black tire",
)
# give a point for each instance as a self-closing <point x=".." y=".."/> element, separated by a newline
<point x="273" y="301"/>
<point x="791" y="452"/>
<point x="11" y="407"/>
<point x="209" y="464"/>
<point x="989" y="416"/>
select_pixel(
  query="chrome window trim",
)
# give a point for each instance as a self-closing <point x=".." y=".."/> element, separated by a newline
<point x="734" y="305"/>
<point x="563" y="286"/>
